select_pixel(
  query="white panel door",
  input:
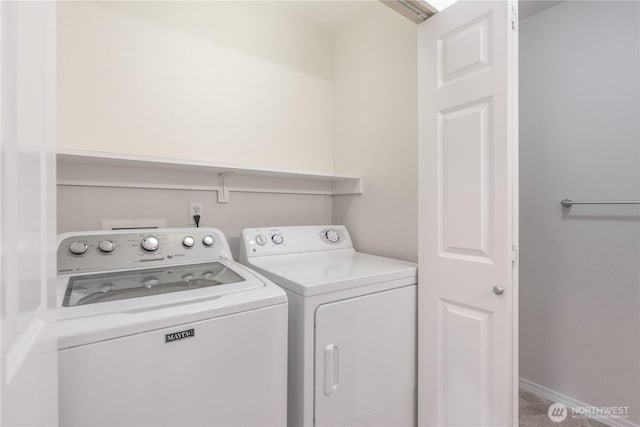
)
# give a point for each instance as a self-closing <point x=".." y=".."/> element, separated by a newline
<point x="365" y="360"/>
<point x="468" y="199"/>
<point x="28" y="348"/>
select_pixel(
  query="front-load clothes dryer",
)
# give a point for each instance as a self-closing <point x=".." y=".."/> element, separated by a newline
<point x="162" y="328"/>
<point x="352" y="326"/>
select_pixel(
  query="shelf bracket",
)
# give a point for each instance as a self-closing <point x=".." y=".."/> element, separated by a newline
<point x="223" y="190"/>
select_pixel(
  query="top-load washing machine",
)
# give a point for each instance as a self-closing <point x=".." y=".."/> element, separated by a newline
<point x="352" y="326"/>
<point x="161" y="327"/>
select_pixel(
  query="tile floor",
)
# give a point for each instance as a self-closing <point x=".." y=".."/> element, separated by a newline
<point x="533" y="413"/>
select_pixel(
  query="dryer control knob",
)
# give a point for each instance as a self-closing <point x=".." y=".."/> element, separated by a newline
<point x="261" y="239"/>
<point x="107" y="245"/>
<point x="150" y="243"/>
<point x="188" y="241"/>
<point x="78" y="248"/>
<point x="332" y="236"/>
<point x="207" y="240"/>
<point x="277" y="239"/>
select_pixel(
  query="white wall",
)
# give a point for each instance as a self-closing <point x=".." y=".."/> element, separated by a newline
<point x="375" y="77"/>
<point x="239" y="82"/>
<point x="249" y="83"/>
<point x="580" y="139"/>
<point x="82" y="208"/>
<point x="243" y="82"/>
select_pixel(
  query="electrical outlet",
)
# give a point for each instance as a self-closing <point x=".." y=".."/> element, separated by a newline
<point x="195" y="208"/>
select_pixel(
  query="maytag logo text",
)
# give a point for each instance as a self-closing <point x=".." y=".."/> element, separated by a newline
<point x="176" y="336"/>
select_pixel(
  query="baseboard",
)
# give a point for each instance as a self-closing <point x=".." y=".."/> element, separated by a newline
<point x="569" y="402"/>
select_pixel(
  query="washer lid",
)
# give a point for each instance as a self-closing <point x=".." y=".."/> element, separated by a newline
<point x="117" y="317"/>
<point x="119" y="285"/>
<point x="316" y="273"/>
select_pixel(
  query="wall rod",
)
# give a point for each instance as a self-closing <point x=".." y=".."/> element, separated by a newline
<point x="568" y="203"/>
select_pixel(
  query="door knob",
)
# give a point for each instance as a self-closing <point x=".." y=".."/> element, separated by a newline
<point x="498" y="290"/>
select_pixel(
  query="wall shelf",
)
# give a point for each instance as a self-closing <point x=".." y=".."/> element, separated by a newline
<point x="99" y="169"/>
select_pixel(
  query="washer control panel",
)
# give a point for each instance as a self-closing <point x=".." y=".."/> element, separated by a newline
<point x="283" y="240"/>
<point x="111" y="250"/>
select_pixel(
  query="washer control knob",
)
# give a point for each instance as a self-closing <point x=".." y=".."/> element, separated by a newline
<point x="207" y="240"/>
<point x="261" y="239"/>
<point x="78" y="248"/>
<point x="107" y="245"/>
<point x="150" y="243"/>
<point x="277" y="239"/>
<point x="150" y="282"/>
<point x="188" y="241"/>
<point x="332" y="235"/>
<point x="106" y="287"/>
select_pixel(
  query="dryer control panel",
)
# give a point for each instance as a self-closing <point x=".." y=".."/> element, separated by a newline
<point x="287" y="240"/>
<point x="125" y="249"/>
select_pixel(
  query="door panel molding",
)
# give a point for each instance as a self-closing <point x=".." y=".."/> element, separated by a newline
<point x="464" y="175"/>
<point x="465" y="51"/>
<point x="465" y="334"/>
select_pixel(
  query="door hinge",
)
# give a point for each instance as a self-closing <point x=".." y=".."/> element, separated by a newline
<point x="514" y="18"/>
<point x="514" y="255"/>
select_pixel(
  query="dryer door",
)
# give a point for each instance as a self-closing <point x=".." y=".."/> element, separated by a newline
<point x="365" y="360"/>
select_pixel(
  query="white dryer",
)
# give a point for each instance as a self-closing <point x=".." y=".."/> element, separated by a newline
<point x="352" y="326"/>
<point x="162" y="328"/>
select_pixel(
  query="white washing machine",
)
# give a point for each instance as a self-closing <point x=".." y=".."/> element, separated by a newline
<point x="162" y="328"/>
<point x="352" y="326"/>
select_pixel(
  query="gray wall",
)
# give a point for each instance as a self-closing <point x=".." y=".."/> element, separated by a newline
<point x="579" y="138"/>
<point x="82" y="208"/>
